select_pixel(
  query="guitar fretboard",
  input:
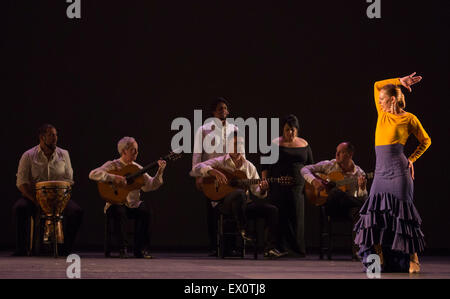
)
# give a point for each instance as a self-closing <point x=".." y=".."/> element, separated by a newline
<point x="169" y="157"/>
<point x="352" y="180"/>
<point x="257" y="181"/>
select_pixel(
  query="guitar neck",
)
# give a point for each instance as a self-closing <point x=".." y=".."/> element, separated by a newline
<point x="346" y="182"/>
<point x="143" y="170"/>
<point x="257" y="181"/>
<point x="150" y="166"/>
<point x="351" y="180"/>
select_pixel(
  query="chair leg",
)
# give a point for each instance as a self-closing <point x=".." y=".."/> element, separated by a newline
<point x="38" y="229"/>
<point x="31" y="237"/>
<point x="325" y="234"/>
<point x="225" y="236"/>
<point x="330" y="237"/>
<point x="321" y="250"/>
<point x="107" y="245"/>
<point x="220" y="238"/>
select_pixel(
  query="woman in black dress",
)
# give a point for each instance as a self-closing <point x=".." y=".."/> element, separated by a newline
<point x="294" y="153"/>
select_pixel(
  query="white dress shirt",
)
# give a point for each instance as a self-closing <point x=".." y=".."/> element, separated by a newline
<point x="326" y="167"/>
<point x="207" y="130"/>
<point x="34" y="167"/>
<point x="226" y="163"/>
<point x="134" y="197"/>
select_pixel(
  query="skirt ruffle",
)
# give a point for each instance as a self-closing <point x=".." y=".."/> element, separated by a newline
<point x="390" y="222"/>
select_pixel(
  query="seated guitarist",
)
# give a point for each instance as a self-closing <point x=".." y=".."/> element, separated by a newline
<point x="339" y="203"/>
<point x="134" y="207"/>
<point x="234" y="203"/>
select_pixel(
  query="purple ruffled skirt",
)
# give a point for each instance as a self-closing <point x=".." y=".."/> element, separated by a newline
<point x="389" y="217"/>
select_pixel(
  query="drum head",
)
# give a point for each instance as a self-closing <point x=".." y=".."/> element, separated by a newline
<point x="53" y="184"/>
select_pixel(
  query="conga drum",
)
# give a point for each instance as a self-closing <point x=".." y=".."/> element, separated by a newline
<point x="53" y="197"/>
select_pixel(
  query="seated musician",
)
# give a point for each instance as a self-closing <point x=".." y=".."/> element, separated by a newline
<point x="339" y="203"/>
<point x="134" y="208"/>
<point x="44" y="162"/>
<point x="234" y="203"/>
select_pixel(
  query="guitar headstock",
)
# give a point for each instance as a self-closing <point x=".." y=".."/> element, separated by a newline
<point x="172" y="156"/>
<point x="286" y="180"/>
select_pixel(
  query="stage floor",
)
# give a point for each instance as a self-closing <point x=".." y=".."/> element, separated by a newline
<point x="199" y="266"/>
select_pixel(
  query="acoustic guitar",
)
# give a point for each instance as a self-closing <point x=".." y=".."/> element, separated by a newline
<point x="237" y="180"/>
<point x="333" y="179"/>
<point x="135" y="180"/>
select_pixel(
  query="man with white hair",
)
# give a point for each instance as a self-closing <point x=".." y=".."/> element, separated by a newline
<point x="134" y="207"/>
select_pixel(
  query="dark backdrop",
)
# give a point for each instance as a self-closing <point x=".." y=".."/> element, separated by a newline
<point x="131" y="67"/>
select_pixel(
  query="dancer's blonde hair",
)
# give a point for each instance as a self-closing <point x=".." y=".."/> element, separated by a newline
<point x="392" y="90"/>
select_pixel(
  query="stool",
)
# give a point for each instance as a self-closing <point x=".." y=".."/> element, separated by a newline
<point x="36" y="234"/>
<point x="327" y="236"/>
<point x="226" y="232"/>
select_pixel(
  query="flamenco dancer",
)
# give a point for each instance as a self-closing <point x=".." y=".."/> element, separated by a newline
<point x="389" y="223"/>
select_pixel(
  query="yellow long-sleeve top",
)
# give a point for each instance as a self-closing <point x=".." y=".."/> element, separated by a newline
<point x="393" y="129"/>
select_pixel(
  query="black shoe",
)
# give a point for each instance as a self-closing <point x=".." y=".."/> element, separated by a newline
<point x="213" y="253"/>
<point x="142" y="255"/>
<point x="108" y="254"/>
<point x="235" y="253"/>
<point x="123" y="254"/>
<point x="274" y="253"/>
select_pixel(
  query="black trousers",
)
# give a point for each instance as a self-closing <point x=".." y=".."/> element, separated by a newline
<point x="24" y="208"/>
<point x="119" y="214"/>
<point x="211" y="222"/>
<point x="340" y="204"/>
<point x="262" y="209"/>
<point x="233" y="204"/>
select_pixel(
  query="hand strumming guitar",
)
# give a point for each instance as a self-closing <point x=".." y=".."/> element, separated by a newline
<point x="120" y="181"/>
<point x="220" y="177"/>
<point x="319" y="185"/>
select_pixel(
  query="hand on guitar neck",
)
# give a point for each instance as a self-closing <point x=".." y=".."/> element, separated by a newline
<point x="264" y="186"/>
<point x="121" y="181"/>
<point x="362" y="182"/>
